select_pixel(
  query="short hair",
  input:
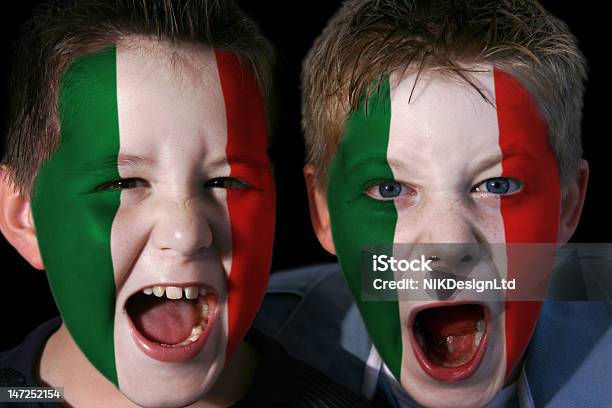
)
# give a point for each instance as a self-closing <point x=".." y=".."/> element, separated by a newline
<point x="60" y="31"/>
<point x="368" y="39"/>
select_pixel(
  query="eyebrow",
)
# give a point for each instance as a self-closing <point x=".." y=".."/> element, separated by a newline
<point x="238" y="159"/>
<point x="101" y="166"/>
<point x="124" y="161"/>
<point x="369" y="161"/>
<point x="489" y="162"/>
<point x="511" y="151"/>
<point x="132" y="160"/>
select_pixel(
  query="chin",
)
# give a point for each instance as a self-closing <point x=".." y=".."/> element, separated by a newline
<point x="441" y="396"/>
<point x="165" y="401"/>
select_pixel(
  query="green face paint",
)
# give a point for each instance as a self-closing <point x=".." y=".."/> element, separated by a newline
<point x="73" y="220"/>
<point x="359" y="220"/>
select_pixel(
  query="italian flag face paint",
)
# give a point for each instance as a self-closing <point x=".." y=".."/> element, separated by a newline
<point x="416" y="172"/>
<point x="161" y="179"/>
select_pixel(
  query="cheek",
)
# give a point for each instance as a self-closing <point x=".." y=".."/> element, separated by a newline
<point x="74" y="238"/>
<point x="252" y="214"/>
<point x="129" y="236"/>
<point x="534" y="221"/>
<point x="357" y="223"/>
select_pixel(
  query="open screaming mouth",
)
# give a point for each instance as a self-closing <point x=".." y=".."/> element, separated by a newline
<point x="172" y="323"/>
<point x="449" y="341"/>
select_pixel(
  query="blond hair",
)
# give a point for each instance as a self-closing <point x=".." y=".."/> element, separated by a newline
<point x="367" y="39"/>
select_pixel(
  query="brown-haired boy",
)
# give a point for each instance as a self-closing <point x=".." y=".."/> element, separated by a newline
<point x="136" y="174"/>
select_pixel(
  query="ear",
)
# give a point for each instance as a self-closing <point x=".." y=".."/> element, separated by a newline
<point x="16" y="222"/>
<point x="319" y="214"/>
<point x="572" y="201"/>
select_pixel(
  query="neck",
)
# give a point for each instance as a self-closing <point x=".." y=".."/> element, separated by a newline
<point x="62" y="364"/>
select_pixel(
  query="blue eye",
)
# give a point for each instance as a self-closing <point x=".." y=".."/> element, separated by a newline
<point x="122" y="184"/>
<point x="499" y="186"/>
<point x="387" y="190"/>
<point x="229" y="183"/>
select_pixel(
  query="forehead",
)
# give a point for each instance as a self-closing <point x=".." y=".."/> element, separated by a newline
<point x="437" y="116"/>
<point x="169" y="93"/>
<point x="439" y="119"/>
<point x="149" y="91"/>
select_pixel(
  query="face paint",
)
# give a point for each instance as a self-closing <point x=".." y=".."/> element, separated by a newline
<point x="395" y="178"/>
<point x="252" y="215"/>
<point x="66" y="209"/>
<point x="532" y="220"/>
<point x="151" y="186"/>
<point x="358" y="220"/>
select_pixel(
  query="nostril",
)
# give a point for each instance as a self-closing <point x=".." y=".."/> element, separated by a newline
<point x="441" y="292"/>
<point x="466" y="259"/>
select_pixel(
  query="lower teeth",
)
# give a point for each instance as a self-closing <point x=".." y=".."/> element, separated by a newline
<point x="480" y="325"/>
<point x="480" y="328"/>
<point x="448" y="341"/>
<point x="196" y="331"/>
<point x="478" y="337"/>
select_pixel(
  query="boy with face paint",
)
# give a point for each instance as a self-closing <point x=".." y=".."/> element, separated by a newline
<point x="136" y="174"/>
<point x="455" y="126"/>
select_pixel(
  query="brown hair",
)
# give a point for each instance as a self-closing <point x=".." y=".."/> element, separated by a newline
<point x="60" y="31"/>
<point x="367" y="39"/>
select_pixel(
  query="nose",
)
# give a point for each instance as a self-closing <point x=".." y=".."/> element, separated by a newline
<point x="182" y="227"/>
<point x="447" y="219"/>
<point x="448" y="233"/>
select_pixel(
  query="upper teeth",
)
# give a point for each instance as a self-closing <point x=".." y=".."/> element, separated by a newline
<point x="174" y="292"/>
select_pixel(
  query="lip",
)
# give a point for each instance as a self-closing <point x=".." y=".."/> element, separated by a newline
<point x="174" y="354"/>
<point x="450" y="374"/>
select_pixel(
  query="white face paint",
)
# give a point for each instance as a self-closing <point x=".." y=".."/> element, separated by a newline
<point x="443" y="143"/>
<point x="169" y="230"/>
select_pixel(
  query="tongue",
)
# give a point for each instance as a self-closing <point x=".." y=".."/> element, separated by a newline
<point x="449" y="333"/>
<point x="451" y="351"/>
<point x="164" y="320"/>
<point x="451" y="320"/>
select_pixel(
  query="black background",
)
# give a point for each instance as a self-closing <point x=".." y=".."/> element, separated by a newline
<point x="292" y="26"/>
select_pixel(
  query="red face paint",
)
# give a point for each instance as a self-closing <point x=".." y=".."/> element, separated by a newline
<point x="251" y="211"/>
<point x="533" y="215"/>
